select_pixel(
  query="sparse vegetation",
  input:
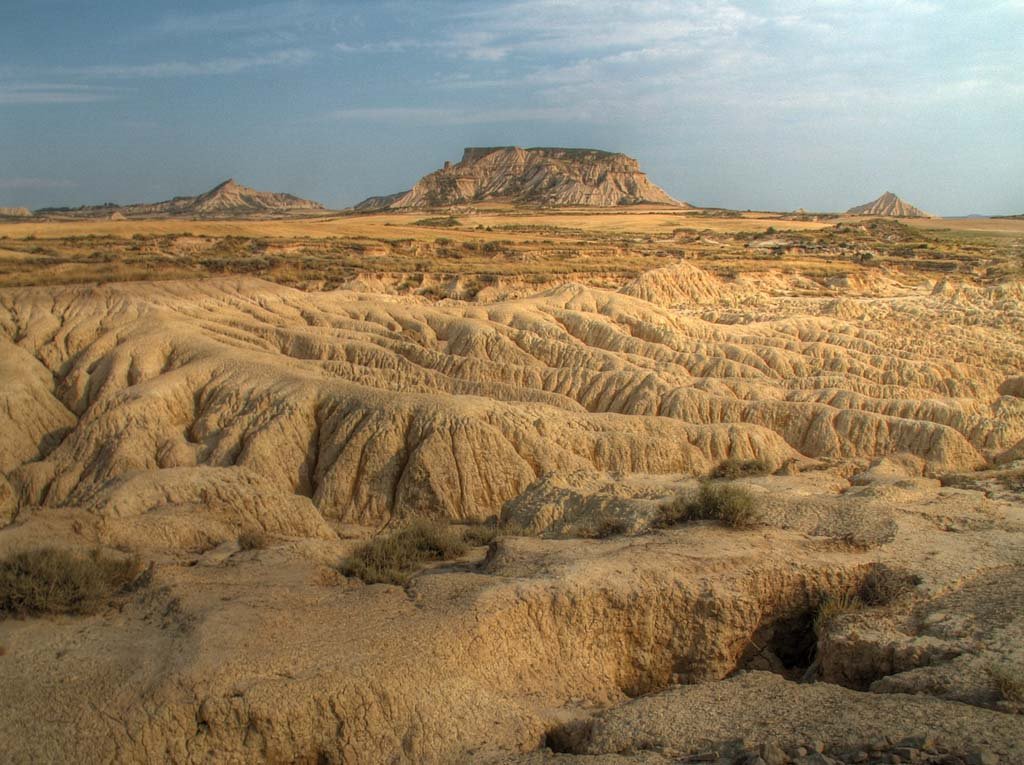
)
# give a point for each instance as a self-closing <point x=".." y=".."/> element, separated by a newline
<point x="448" y="221"/>
<point x="252" y="539"/>
<point x="881" y="586"/>
<point x="735" y="468"/>
<point x="394" y="558"/>
<point x="884" y="585"/>
<point x="732" y="506"/>
<point x="51" y="580"/>
<point x="1008" y="681"/>
<point x="604" y="524"/>
<point x="833" y="606"/>
<point x="480" y="535"/>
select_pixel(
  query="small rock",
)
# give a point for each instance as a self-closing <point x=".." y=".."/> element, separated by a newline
<point x="772" y="754"/>
<point x="818" y="746"/>
<point x="982" y="757"/>
<point x="860" y="757"/>
<point x="922" y="741"/>
<point x="798" y="752"/>
<point x="906" y="753"/>
<point x="895" y="759"/>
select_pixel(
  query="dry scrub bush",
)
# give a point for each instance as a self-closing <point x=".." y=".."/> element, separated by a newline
<point x="732" y="506"/>
<point x="884" y="585"/>
<point x="734" y="468"/>
<point x="49" y="580"/>
<point x="394" y="558"/>
<point x="603" y="525"/>
<point x="480" y="535"/>
<point x="1009" y="682"/>
<point x="833" y="606"/>
<point x="881" y="586"/>
<point x="252" y="539"/>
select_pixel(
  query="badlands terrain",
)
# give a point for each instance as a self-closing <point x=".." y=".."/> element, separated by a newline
<point x="235" y="408"/>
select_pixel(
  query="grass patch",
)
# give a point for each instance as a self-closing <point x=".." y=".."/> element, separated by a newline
<point x="480" y="535"/>
<point x="734" y="468"/>
<point x="449" y="221"/>
<point x="396" y="557"/>
<point x="49" y="580"/>
<point x="732" y="506"/>
<point x="252" y="539"/>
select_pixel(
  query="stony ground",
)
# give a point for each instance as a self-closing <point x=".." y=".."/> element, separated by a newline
<point x="168" y="420"/>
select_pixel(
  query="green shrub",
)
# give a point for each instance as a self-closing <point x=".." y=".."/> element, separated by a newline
<point x="396" y="557"/>
<point x="731" y="506"/>
<point x="734" y="468"/>
<point x="49" y="580"/>
<point x="252" y="539"/>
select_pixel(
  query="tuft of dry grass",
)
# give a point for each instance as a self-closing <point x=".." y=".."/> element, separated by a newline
<point x="884" y="585"/>
<point x="396" y="557"/>
<point x="833" y="606"/>
<point x="603" y="525"/>
<point x="734" y="468"/>
<point x="51" y="580"/>
<point x="480" y="535"/>
<point x="732" y="506"/>
<point x="1008" y="681"/>
<point x="252" y="539"/>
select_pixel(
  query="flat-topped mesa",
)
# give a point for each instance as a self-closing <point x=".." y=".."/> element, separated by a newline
<point x="889" y="205"/>
<point x="543" y="176"/>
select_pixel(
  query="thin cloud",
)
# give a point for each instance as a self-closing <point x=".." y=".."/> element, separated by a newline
<point x="54" y="93"/>
<point x="218" y="66"/>
<point x="255" y="18"/>
<point x="443" y="116"/>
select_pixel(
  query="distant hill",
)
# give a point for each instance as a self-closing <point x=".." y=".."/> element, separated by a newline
<point x="889" y="205"/>
<point x="227" y="199"/>
<point x="1010" y="217"/>
<point x="14" y="212"/>
<point x="539" y="176"/>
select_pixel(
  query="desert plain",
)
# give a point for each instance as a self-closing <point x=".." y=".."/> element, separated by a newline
<point x="237" y="408"/>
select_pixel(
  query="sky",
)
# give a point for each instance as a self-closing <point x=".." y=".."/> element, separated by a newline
<point x="820" y="104"/>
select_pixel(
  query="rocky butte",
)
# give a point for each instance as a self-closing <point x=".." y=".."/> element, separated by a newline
<point x="539" y="176"/>
<point x="891" y="206"/>
<point x="225" y="199"/>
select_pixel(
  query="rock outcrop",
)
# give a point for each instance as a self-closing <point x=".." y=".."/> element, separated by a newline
<point x="227" y="199"/>
<point x="541" y="176"/>
<point x="889" y="205"/>
<point x="14" y="212"/>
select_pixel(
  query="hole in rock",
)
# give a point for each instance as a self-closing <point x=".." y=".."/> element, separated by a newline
<point x="568" y="737"/>
<point x="785" y="646"/>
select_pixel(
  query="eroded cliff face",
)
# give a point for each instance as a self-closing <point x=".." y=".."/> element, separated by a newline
<point x="543" y="176"/>
<point x="364" y="408"/>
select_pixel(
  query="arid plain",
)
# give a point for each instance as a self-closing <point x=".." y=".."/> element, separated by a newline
<point x="236" y="407"/>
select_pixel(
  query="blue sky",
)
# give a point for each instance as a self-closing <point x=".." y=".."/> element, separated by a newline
<point x="763" y="105"/>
